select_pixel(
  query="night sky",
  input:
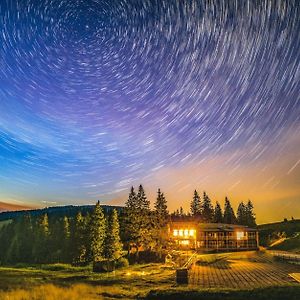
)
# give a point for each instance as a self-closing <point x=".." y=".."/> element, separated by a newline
<point x="99" y="95"/>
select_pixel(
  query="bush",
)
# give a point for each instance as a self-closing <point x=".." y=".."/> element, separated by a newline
<point x="103" y="266"/>
<point x="122" y="263"/>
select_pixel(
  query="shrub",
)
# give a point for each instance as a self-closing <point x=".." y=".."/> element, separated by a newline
<point x="103" y="266"/>
<point x="122" y="263"/>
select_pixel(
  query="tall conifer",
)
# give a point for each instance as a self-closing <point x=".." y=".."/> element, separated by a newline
<point x="196" y="205"/>
<point x="98" y="231"/>
<point x="229" y="216"/>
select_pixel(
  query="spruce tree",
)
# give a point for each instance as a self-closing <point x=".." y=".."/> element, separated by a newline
<point x="144" y="220"/>
<point x="137" y="222"/>
<point x="250" y="216"/>
<point x="142" y="202"/>
<point x="218" y="215"/>
<point x="161" y="207"/>
<point x="78" y="240"/>
<point x="181" y="212"/>
<point x="242" y="214"/>
<point x="98" y="231"/>
<point x="161" y="215"/>
<point x="207" y="209"/>
<point x="129" y="228"/>
<point x="131" y="203"/>
<point x="196" y="205"/>
<point x="41" y="247"/>
<point x="67" y="240"/>
<point x="229" y="216"/>
<point x="113" y="244"/>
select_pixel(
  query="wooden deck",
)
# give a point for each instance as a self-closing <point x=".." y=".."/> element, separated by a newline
<point x="241" y="271"/>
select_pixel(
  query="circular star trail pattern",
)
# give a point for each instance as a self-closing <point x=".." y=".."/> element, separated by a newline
<point x="97" y="95"/>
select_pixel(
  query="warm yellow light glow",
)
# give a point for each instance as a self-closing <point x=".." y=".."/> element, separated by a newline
<point x="175" y="232"/>
<point x="186" y="232"/>
<point x="181" y="232"/>
<point x="239" y="235"/>
<point x="185" y="242"/>
<point x="192" y="232"/>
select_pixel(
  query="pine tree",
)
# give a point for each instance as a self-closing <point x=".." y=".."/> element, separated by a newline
<point x="131" y="203"/>
<point x="242" y="214"/>
<point x="196" y="205"/>
<point x="160" y="235"/>
<point x="229" y="216"/>
<point x="67" y="240"/>
<point x="142" y="202"/>
<point x="78" y="240"/>
<point x="113" y="245"/>
<point x="218" y="215"/>
<point x="250" y="216"/>
<point x="207" y="210"/>
<point x="41" y="241"/>
<point x="161" y="207"/>
<point x="137" y="221"/>
<point x="44" y="225"/>
<point x="144" y="220"/>
<point x="129" y="228"/>
<point x="181" y="212"/>
<point x="98" y="230"/>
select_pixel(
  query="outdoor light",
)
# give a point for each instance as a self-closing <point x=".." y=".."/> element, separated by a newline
<point x="185" y="242"/>
<point x="239" y="235"/>
<point x="192" y="232"/>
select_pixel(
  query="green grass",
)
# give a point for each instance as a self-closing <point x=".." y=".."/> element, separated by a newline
<point x="3" y="223"/>
<point x="289" y="244"/>
<point x="145" y="281"/>
<point x="134" y="281"/>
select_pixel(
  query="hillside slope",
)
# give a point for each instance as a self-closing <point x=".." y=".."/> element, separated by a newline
<point x="281" y="235"/>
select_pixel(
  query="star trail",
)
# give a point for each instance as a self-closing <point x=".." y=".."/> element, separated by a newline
<point x="96" y="96"/>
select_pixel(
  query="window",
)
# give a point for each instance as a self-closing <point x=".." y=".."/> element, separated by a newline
<point x="180" y="232"/>
<point x="239" y="235"/>
<point x="186" y="232"/>
<point x="175" y="232"/>
<point x="192" y="232"/>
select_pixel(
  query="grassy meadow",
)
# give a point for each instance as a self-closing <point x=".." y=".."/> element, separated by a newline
<point x="144" y="281"/>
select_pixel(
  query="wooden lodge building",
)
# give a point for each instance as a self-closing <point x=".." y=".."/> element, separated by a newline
<point x="213" y="236"/>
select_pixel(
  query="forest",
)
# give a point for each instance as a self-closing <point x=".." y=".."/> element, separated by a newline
<point x="104" y="238"/>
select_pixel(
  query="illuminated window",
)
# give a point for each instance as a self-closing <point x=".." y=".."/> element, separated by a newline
<point x="186" y="232"/>
<point x="181" y="232"/>
<point x="175" y="232"/>
<point x="239" y="235"/>
<point x="185" y="242"/>
<point x="192" y="232"/>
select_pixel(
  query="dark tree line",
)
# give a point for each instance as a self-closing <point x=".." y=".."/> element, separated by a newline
<point x="99" y="236"/>
<point x="81" y="240"/>
<point x="202" y="210"/>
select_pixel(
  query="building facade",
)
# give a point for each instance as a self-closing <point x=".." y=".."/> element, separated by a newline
<point x="213" y="236"/>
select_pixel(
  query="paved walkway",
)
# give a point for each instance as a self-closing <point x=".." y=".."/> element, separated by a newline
<point x="241" y="270"/>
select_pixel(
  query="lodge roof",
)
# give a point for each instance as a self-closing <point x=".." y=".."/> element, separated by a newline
<point x="212" y="226"/>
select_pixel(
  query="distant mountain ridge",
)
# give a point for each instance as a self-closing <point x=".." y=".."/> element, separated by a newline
<point x="58" y="211"/>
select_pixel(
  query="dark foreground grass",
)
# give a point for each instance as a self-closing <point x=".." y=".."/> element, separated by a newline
<point x="148" y="281"/>
<point x="291" y="292"/>
<point x="33" y="282"/>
